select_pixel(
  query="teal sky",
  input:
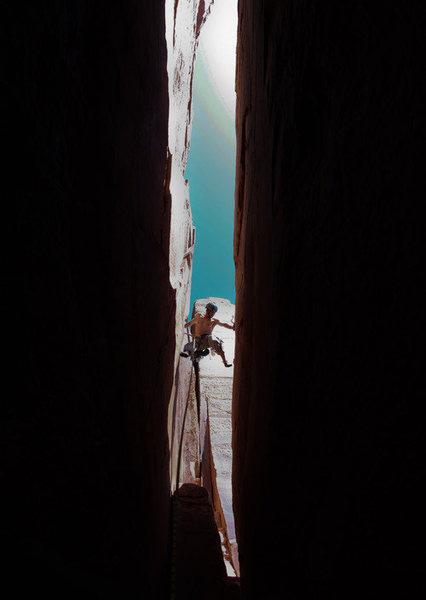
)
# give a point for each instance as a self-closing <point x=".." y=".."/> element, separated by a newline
<point x="211" y="175"/>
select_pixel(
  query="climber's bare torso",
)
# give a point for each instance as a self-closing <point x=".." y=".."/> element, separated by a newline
<point x="205" y="325"/>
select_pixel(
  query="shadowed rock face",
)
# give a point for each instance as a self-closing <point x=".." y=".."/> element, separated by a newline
<point x="90" y="309"/>
<point x="327" y="246"/>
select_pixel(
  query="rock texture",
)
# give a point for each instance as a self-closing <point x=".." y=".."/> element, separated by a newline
<point x="184" y="438"/>
<point x="199" y="569"/>
<point x="328" y="239"/>
<point x="184" y="19"/>
<point x="90" y="327"/>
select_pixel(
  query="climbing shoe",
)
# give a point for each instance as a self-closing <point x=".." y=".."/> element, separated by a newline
<point x="184" y="354"/>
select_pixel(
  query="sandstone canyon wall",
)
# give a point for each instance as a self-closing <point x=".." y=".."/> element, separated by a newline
<point x="90" y="299"/>
<point x="328" y="239"/>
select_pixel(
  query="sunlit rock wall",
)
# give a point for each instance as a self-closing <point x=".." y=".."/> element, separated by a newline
<point x="184" y="19"/>
<point x="329" y="374"/>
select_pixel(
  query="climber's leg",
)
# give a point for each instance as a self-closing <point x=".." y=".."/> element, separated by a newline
<point x="187" y="350"/>
<point x="217" y="347"/>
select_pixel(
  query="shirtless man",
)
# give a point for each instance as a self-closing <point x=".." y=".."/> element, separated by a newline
<point x="203" y="327"/>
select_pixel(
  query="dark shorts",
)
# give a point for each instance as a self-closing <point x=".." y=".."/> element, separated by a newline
<point x="203" y="342"/>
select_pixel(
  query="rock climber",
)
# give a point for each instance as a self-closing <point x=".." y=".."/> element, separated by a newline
<point x="203" y="328"/>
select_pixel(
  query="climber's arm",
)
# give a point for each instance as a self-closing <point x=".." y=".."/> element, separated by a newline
<point x="192" y="321"/>
<point x="224" y="325"/>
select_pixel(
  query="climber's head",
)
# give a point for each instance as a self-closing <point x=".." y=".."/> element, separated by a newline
<point x="211" y="309"/>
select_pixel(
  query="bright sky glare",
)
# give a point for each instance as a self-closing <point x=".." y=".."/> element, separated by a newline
<point x="217" y="46"/>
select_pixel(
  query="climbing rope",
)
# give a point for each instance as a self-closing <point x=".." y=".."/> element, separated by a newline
<point x="175" y="497"/>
